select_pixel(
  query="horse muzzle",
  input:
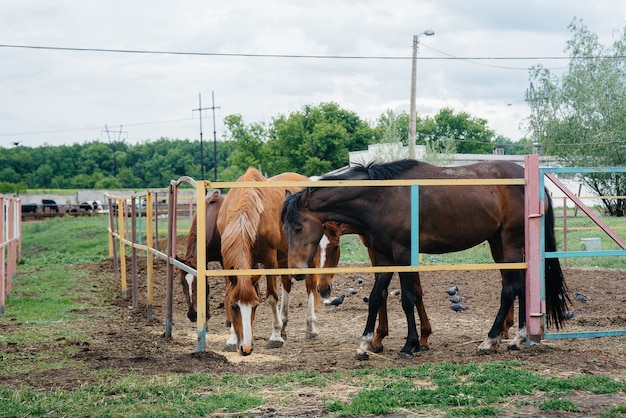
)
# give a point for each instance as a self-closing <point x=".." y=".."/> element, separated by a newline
<point x="192" y="315"/>
<point x="324" y="291"/>
<point x="300" y="277"/>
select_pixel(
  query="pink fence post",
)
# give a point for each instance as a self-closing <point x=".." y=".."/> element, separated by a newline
<point x="535" y="305"/>
<point x="3" y="274"/>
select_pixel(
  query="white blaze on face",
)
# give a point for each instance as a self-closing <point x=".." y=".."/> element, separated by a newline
<point x="323" y="245"/>
<point x="189" y="277"/>
<point x="246" y="325"/>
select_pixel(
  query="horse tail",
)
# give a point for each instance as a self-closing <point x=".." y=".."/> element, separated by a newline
<point x="557" y="299"/>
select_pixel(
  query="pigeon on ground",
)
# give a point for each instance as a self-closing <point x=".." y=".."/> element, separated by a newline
<point x="570" y="314"/>
<point x="351" y="290"/>
<point x="457" y="299"/>
<point x="359" y="281"/>
<point x="396" y="292"/>
<point x="335" y="302"/>
<point x="452" y="291"/>
<point x="457" y="307"/>
<point x="582" y="298"/>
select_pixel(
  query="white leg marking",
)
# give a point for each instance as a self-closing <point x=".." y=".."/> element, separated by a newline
<point x="365" y="346"/>
<point x="232" y="338"/>
<point x="246" y="323"/>
<point x="311" y="318"/>
<point x="276" y="321"/>
<point x="489" y="345"/>
<point x="519" y="340"/>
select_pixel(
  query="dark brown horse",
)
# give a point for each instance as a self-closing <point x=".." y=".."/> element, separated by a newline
<point x="251" y="236"/>
<point x="451" y="218"/>
<point x="213" y="253"/>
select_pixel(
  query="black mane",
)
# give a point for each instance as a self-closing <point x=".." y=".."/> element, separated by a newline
<point x="374" y="170"/>
<point x="289" y="213"/>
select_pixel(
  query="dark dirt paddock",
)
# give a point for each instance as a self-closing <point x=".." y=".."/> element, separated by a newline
<point x="128" y="342"/>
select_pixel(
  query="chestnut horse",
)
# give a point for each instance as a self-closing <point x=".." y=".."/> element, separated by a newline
<point x="251" y="236"/>
<point x="451" y="218"/>
<point x="213" y="253"/>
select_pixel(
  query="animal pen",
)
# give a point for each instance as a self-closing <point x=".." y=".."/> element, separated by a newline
<point x="10" y="244"/>
<point x="125" y="231"/>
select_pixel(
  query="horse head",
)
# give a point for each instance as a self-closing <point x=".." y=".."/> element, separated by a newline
<point x="303" y="231"/>
<point x="188" y="284"/>
<point x="242" y="299"/>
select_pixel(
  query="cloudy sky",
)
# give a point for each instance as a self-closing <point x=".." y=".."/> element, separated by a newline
<point x="262" y="59"/>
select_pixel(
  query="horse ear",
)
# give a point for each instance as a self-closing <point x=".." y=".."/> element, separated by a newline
<point x="287" y="194"/>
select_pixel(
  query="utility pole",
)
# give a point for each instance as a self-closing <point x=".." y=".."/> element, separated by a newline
<point x="200" y="109"/>
<point x="214" y="137"/>
<point x="114" y="146"/>
<point x="412" y="110"/>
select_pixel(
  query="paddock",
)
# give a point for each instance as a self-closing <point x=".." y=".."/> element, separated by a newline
<point x="535" y="319"/>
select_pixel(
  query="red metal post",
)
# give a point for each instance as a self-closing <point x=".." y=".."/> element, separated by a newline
<point x="535" y="306"/>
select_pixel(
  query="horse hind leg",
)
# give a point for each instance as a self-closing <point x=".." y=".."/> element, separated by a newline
<point x="512" y="287"/>
<point x="425" y="328"/>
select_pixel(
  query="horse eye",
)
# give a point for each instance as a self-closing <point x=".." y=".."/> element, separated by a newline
<point x="298" y="229"/>
<point x="234" y="307"/>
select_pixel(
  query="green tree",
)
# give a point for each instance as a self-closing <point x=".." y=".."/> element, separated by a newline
<point x="248" y="141"/>
<point x="315" y="140"/>
<point x="580" y="117"/>
<point x="471" y="134"/>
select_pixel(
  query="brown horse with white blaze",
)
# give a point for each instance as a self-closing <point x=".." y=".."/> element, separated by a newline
<point x="251" y="236"/>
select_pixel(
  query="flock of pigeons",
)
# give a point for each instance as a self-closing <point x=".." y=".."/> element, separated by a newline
<point x="455" y="299"/>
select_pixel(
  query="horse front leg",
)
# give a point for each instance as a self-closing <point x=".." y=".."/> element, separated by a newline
<point x="276" y="340"/>
<point x="425" y="328"/>
<point x="284" y="304"/>
<point x="408" y="306"/>
<point x="512" y="287"/>
<point x="376" y="299"/>
<point x="314" y="302"/>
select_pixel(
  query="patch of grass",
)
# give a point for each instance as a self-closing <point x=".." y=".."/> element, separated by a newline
<point x="558" y="405"/>
<point x="615" y="412"/>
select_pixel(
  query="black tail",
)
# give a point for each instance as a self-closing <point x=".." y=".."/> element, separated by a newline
<point x="557" y="299"/>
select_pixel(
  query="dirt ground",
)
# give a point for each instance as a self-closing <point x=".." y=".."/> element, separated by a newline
<point x="128" y="342"/>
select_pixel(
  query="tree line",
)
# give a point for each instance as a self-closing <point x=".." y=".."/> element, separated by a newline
<point x="311" y="141"/>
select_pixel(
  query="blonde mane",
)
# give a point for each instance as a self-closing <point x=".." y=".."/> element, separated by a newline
<point x="244" y="207"/>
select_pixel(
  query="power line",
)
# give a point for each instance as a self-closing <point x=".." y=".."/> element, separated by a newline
<point x="303" y="56"/>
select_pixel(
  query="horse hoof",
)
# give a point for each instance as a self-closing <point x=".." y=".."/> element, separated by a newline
<point x="362" y="355"/>
<point x="513" y="347"/>
<point x="312" y="336"/>
<point x="274" y="344"/>
<point x="424" y="347"/>
<point x="377" y="348"/>
<point x="485" y="351"/>
<point x="230" y="348"/>
<point x="405" y="356"/>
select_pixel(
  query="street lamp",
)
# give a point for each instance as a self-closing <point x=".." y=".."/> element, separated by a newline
<point x="413" y="82"/>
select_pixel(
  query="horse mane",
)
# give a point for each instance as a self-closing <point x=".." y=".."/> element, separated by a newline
<point x="373" y="170"/>
<point x="243" y="223"/>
